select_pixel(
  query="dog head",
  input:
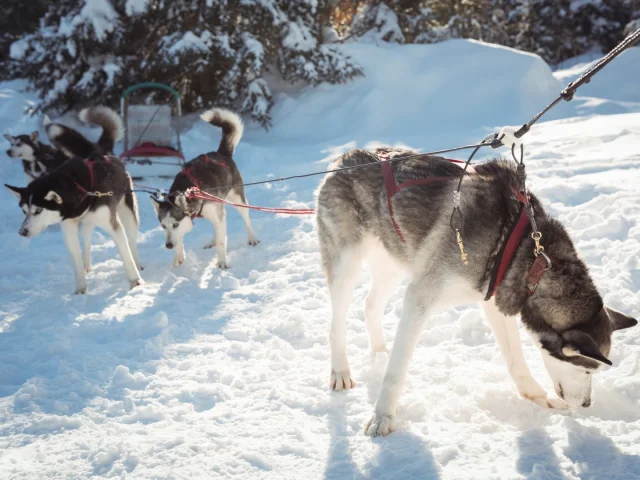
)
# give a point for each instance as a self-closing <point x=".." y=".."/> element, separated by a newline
<point x="174" y="219"/>
<point x="23" y="146"/>
<point x="41" y="209"/>
<point x="568" y="321"/>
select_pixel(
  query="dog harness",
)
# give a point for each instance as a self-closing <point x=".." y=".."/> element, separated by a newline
<point x="187" y="171"/>
<point x="89" y="192"/>
<point x="189" y="174"/>
<point x="541" y="264"/>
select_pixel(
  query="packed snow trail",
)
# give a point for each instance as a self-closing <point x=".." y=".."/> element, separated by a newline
<point x="203" y="373"/>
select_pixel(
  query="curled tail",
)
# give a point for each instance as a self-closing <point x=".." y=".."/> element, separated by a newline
<point x="109" y="121"/>
<point x="68" y="140"/>
<point x="231" y="125"/>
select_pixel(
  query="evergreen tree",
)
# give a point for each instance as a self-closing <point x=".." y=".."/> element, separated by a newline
<point x="214" y="52"/>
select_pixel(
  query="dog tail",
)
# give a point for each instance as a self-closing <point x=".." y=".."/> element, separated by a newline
<point x="71" y="142"/>
<point x="110" y="122"/>
<point x="231" y="125"/>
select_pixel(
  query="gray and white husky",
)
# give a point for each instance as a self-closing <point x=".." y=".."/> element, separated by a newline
<point x="39" y="158"/>
<point x="212" y="172"/>
<point x="563" y="312"/>
<point x="64" y="196"/>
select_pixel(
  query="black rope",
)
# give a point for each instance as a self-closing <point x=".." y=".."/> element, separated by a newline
<point x="570" y="90"/>
<point x="324" y="172"/>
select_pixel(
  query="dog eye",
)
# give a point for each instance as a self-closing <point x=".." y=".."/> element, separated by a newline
<point x="38" y="211"/>
<point x="18" y="144"/>
<point x="175" y="225"/>
<point x="164" y="227"/>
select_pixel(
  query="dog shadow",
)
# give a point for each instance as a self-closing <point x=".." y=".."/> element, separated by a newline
<point x="536" y="457"/>
<point x="594" y="456"/>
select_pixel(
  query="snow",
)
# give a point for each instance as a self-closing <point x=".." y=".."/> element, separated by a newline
<point x="189" y="41"/>
<point x="203" y="373"/>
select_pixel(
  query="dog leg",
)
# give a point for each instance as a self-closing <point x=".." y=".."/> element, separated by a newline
<point x="72" y="242"/>
<point x="385" y="277"/>
<point x="219" y="220"/>
<point x="507" y="336"/>
<point x="178" y="258"/>
<point x="420" y="298"/>
<point x="342" y="277"/>
<point x="244" y="213"/>
<point x="130" y="224"/>
<point x="115" y="229"/>
<point x="86" y="230"/>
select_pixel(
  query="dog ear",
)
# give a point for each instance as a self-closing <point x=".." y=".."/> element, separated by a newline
<point x="46" y="120"/>
<point x="35" y="136"/>
<point x="619" y="320"/>
<point x="42" y="166"/>
<point x="53" y="197"/>
<point x="576" y="342"/>
<point x="181" y="202"/>
<point x="16" y="191"/>
<point x="156" y="204"/>
<point x="8" y="137"/>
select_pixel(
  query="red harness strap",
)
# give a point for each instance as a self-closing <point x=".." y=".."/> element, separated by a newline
<point x="90" y="164"/>
<point x="512" y="244"/>
<point x="392" y="188"/>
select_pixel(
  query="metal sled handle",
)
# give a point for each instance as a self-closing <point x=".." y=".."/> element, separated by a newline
<point x="157" y="85"/>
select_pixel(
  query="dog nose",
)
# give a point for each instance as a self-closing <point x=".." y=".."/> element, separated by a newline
<point x="586" y="403"/>
<point x="24" y="232"/>
<point x="169" y="245"/>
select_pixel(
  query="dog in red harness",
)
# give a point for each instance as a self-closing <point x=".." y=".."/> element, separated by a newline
<point x="81" y="194"/>
<point x="213" y="172"/>
<point x="396" y="217"/>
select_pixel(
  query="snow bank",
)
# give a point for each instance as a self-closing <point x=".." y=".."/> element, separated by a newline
<point x="417" y="93"/>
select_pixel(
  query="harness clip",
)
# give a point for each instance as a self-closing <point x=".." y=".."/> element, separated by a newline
<point x="463" y="254"/>
<point x="100" y="194"/>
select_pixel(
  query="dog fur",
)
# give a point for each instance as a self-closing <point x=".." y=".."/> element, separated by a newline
<point x="56" y="198"/>
<point x="565" y="316"/>
<point x="176" y="213"/>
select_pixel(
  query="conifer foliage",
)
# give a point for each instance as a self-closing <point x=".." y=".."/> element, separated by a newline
<point x="214" y="52"/>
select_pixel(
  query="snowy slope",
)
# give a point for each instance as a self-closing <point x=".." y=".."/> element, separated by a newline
<point x="204" y="373"/>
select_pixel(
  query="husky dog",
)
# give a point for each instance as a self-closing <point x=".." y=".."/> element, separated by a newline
<point x="563" y="312"/>
<point x="39" y="158"/>
<point x="65" y="196"/>
<point x="212" y="172"/>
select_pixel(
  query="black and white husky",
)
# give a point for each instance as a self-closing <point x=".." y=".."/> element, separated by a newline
<point x="390" y="217"/>
<point x="39" y="158"/>
<point x="67" y="196"/>
<point x="212" y="172"/>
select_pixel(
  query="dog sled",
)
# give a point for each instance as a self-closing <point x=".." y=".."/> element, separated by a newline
<point x="152" y="145"/>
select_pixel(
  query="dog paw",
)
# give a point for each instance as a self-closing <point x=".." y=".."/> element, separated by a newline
<point x="380" y="425"/>
<point x="87" y="268"/>
<point x="543" y="401"/>
<point x="209" y="245"/>
<point x="222" y="264"/>
<point x="341" y="381"/>
<point x="135" y="283"/>
<point x="80" y="290"/>
<point x="253" y="241"/>
<point x="177" y="261"/>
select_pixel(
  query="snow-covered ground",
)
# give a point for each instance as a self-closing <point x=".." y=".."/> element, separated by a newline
<point x="203" y="373"/>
